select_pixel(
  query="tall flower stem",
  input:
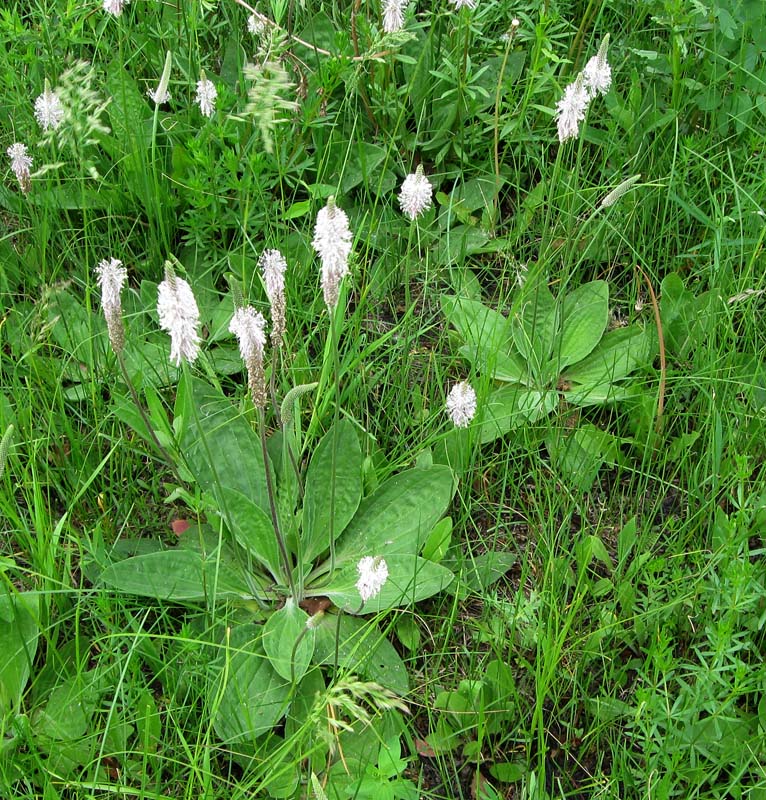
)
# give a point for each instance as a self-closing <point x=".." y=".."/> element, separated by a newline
<point x="273" y="506"/>
<point x="145" y="417"/>
<point x="336" y="419"/>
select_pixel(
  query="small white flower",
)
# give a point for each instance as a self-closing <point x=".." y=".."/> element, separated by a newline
<point x="248" y="325"/>
<point x="206" y="95"/>
<point x="393" y="15"/>
<point x="159" y="95"/>
<point x="114" y="7"/>
<point x="21" y="161"/>
<point x="515" y="23"/>
<point x="256" y="24"/>
<point x="461" y="404"/>
<point x="373" y="573"/>
<point x="571" y="109"/>
<point x="111" y="278"/>
<point x="48" y="109"/>
<point x="273" y="266"/>
<point x="415" y="195"/>
<point x="597" y="73"/>
<point x="463" y="4"/>
<point x="332" y="240"/>
<point x="179" y="316"/>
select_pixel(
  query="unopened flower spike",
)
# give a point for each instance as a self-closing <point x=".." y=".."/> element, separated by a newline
<point x="206" y="95"/>
<point x="115" y="7"/>
<point x="248" y="325"/>
<point x="571" y="109"/>
<point x="273" y="266"/>
<point x="373" y="573"/>
<point x="415" y="195"/>
<point x="161" y="94"/>
<point x="332" y="241"/>
<point x="619" y="191"/>
<point x="393" y="15"/>
<point x="21" y="162"/>
<point x="597" y="74"/>
<point x="461" y="404"/>
<point x="48" y="109"/>
<point x="111" y="278"/>
<point x="179" y="316"/>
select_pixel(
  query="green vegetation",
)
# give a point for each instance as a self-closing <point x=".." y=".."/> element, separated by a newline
<point x="329" y="584"/>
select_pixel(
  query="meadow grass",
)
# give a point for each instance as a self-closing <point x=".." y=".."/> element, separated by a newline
<point x="617" y="649"/>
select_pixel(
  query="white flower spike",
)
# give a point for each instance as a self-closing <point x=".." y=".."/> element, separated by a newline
<point x="571" y="109"/>
<point x="393" y="15"/>
<point x="256" y="24"/>
<point x="273" y="266"/>
<point x="48" y="109"/>
<point x="597" y="74"/>
<point x="206" y="95"/>
<point x="332" y="240"/>
<point x="461" y="404"/>
<point x="111" y="278"/>
<point x="470" y="4"/>
<point x="416" y="193"/>
<point x="248" y="326"/>
<point x="161" y="94"/>
<point x="115" y="7"/>
<point x="21" y="162"/>
<point x="373" y="573"/>
<point x="179" y="316"/>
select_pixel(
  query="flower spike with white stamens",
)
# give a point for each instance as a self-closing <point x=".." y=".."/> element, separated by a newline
<point x="597" y="74"/>
<point x="179" y="316"/>
<point x="114" y="7"/>
<point x="332" y="240"/>
<point x="571" y="109"/>
<point x="21" y="161"/>
<point x="415" y="195"/>
<point x="373" y="573"/>
<point x="461" y="404"/>
<point x="48" y="109"/>
<point x="248" y="326"/>
<point x="206" y="95"/>
<point x="273" y="266"/>
<point x="393" y="15"/>
<point x="111" y="278"/>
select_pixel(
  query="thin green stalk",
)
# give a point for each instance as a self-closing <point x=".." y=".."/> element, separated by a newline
<point x="273" y="506"/>
<point x="144" y="416"/>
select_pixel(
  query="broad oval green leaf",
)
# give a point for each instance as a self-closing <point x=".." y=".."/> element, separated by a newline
<point x="510" y="407"/>
<point x="410" y="579"/>
<point x="398" y="517"/>
<point x="584" y="317"/>
<point x="253" y="697"/>
<point x="18" y="644"/>
<point x="253" y="529"/>
<point x="479" y="326"/>
<point x="535" y="325"/>
<point x="288" y="643"/>
<point x="331" y="499"/>
<point x="215" y="430"/>
<point x="180" y="575"/>
<point x="615" y="357"/>
<point x="504" y="366"/>
<point x="361" y="648"/>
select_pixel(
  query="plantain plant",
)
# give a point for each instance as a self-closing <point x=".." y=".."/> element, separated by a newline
<point x="548" y="350"/>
